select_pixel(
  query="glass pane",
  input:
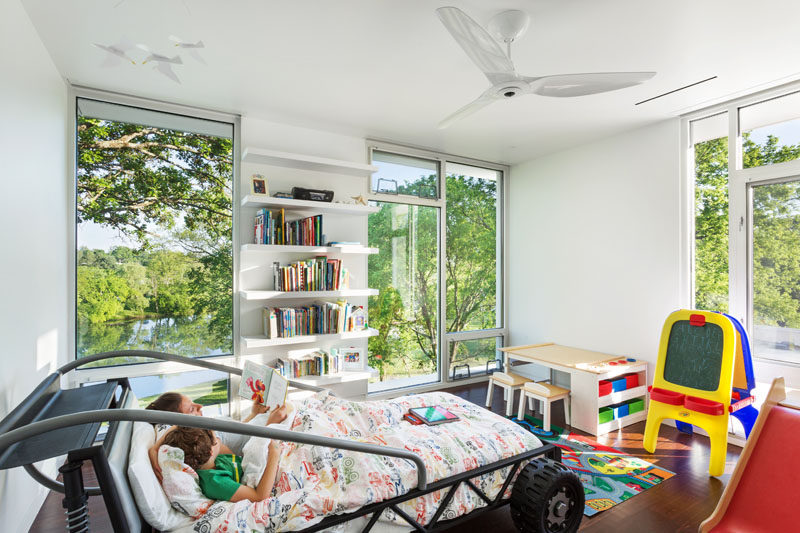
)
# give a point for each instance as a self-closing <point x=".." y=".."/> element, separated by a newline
<point x="206" y="387"/>
<point x="710" y="142"/>
<point x="776" y="270"/>
<point x="401" y="174"/>
<point x="406" y="312"/>
<point x="474" y="353"/>
<point x="473" y="248"/>
<point x="770" y="131"/>
<point x="154" y="239"/>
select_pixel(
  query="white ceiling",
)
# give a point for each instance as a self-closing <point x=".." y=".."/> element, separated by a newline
<point x="388" y="69"/>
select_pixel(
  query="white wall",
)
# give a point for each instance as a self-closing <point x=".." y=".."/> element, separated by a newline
<point x="594" y="240"/>
<point x="33" y="235"/>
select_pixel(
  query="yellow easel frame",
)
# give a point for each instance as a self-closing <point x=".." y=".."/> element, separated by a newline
<point x="715" y="425"/>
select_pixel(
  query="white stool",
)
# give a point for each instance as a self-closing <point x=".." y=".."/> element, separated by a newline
<point x="547" y="394"/>
<point x="510" y="383"/>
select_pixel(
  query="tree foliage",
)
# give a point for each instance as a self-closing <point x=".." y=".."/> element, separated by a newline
<point x="169" y="191"/>
<point x="775" y="237"/>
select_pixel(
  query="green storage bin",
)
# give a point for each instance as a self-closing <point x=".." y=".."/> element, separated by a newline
<point x="635" y="405"/>
<point x="606" y="415"/>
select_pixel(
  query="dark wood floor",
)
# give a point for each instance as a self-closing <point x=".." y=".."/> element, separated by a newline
<point x="678" y="504"/>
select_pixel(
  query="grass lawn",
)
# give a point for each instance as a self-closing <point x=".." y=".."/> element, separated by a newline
<point x="208" y="393"/>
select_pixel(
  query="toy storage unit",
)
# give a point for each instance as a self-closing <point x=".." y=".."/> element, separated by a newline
<point x="611" y="396"/>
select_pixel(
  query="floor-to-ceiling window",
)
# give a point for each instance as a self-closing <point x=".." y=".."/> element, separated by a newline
<point x="746" y="161"/>
<point x="439" y="269"/>
<point x="153" y="258"/>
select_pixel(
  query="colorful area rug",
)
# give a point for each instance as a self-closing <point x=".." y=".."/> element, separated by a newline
<point x="609" y="476"/>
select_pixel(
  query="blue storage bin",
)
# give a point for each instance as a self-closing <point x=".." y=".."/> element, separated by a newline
<point x="621" y="409"/>
<point x="619" y="384"/>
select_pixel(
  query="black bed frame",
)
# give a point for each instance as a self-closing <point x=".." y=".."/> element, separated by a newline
<point x="52" y="421"/>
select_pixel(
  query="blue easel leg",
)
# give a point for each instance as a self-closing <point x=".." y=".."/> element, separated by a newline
<point x="684" y="427"/>
<point x="747" y="416"/>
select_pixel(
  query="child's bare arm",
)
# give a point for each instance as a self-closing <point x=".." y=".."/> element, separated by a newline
<point x="153" y="454"/>
<point x="264" y="487"/>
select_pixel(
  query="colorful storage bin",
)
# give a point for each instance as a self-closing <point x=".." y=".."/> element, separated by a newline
<point x="619" y="384"/>
<point x="632" y="381"/>
<point x="620" y="410"/>
<point x="605" y="387"/>
<point x="606" y="415"/>
<point x="635" y="405"/>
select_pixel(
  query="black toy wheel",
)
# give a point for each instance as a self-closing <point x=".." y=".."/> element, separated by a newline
<point x="547" y="497"/>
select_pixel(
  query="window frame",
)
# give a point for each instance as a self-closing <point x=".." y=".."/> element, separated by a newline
<point x="740" y="183"/>
<point x="84" y="375"/>
<point x="445" y="337"/>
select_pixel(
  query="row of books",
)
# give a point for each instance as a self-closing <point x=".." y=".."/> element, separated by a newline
<point x="272" y="228"/>
<point x="311" y="363"/>
<point x="318" y="319"/>
<point x="317" y="274"/>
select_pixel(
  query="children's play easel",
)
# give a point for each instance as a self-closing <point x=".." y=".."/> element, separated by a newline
<point x="704" y="373"/>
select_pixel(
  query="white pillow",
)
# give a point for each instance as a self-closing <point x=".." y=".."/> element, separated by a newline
<point x="149" y="496"/>
<point x="181" y="483"/>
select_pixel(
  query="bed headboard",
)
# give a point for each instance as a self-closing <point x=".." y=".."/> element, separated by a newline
<point x="118" y="463"/>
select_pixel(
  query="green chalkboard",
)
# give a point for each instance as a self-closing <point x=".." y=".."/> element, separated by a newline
<point x="694" y="355"/>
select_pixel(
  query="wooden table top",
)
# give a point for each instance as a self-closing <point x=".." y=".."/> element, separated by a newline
<point x="555" y="354"/>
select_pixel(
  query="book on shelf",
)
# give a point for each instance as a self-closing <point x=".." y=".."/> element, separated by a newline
<point x="321" y="318"/>
<point x="311" y="362"/>
<point x="263" y="385"/>
<point x="271" y="227"/>
<point x="316" y="274"/>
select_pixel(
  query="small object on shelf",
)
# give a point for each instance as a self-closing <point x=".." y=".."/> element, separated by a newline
<point x="620" y="410"/>
<point x="258" y="185"/>
<point x="619" y="384"/>
<point x="353" y="359"/>
<point x="605" y="387"/>
<point x="632" y="381"/>
<point x="316" y="195"/>
<point x="360" y="200"/>
<point x="606" y="415"/>
<point x="282" y="195"/>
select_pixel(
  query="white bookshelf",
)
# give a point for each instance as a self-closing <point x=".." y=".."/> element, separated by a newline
<point x="277" y="295"/>
<point x="342" y="222"/>
<point x="326" y="250"/>
<point x="307" y="206"/>
<point x="313" y="163"/>
<point x="261" y="341"/>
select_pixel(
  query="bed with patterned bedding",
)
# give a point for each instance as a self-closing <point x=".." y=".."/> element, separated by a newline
<point x="315" y="482"/>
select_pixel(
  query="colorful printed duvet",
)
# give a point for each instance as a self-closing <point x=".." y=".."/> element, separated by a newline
<point x="314" y="482"/>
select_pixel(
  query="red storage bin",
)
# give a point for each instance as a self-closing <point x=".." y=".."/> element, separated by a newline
<point x="632" y="381"/>
<point x="605" y="387"/>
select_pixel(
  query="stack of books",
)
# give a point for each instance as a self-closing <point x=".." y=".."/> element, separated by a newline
<point x="317" y="274"/>
<point x="272" y="228"/>
<point x="318" y="319"/>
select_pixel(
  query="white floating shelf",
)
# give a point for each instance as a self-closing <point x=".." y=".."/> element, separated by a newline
<point x="310" y="206"/>
<point x="286" y="248"/>
<point x="621" y="396"/>
<point x="330" y="379"/>
<point x="263" y="156"/>
<point x="263" y="342"/>
<point x="270" y="295"/>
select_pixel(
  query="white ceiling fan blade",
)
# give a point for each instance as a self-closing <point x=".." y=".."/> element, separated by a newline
<point x="565" y="85"/>
<point x="476" y="105"/>
<point x="481" y="47"/>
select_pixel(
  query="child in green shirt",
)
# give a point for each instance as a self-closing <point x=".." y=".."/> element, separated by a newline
<point x="219" y="470"/>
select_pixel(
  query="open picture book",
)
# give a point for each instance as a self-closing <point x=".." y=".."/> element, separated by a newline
<point x="263" y="385"/>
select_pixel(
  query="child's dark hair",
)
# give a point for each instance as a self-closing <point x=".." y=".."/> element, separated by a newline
<point x="169" y="401"/>
<point x="196" y="444"/>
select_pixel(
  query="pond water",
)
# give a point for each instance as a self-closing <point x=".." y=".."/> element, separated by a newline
<point x="189" y="336"/>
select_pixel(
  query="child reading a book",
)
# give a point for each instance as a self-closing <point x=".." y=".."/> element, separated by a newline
<point x="219" y="470"/>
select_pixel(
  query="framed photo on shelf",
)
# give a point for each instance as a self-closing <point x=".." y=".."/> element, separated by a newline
<point x="258" y="185"/>
<point x="352" y="359"/>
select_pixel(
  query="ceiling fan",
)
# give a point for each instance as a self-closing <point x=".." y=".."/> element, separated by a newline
<point x="485" y="51"/>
